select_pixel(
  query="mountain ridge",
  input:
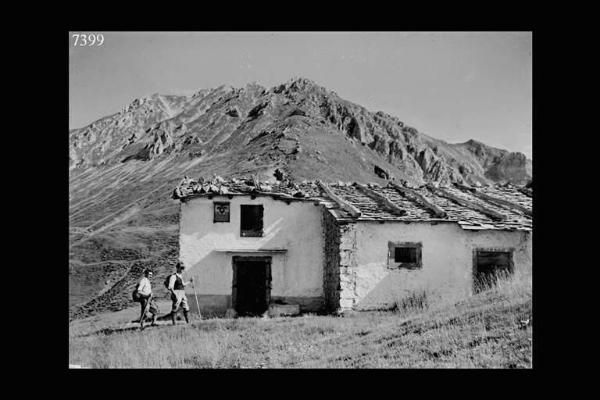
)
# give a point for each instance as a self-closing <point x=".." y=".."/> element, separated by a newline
<point x="158" y="122"/>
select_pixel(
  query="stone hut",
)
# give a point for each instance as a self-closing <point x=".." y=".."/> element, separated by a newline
<point x="256" y="247"/>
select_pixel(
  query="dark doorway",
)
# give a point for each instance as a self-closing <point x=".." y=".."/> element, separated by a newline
<point x="251" y="292"/>
<point x="489" y="266"/>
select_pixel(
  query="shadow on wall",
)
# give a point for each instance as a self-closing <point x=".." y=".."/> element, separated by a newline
<point x="211" y="305"/>
<point x="217" y="306"/>
<point x="446" y="274"/>
<point x="206" y="285"/>
<point x="218" y="273"/>
<point x="213" y="272"/>
<point x="398" y="285"/>
<point x="399" y="288"/>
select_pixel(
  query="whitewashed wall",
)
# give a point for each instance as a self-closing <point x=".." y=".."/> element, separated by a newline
<point x="295" y="227"/>
<point x="447" y="260"/>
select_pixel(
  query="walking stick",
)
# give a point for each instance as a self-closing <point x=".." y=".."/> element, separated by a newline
<point x="196" y="296"/>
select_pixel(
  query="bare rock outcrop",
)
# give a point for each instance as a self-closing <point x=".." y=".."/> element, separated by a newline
<point x="226" y="121"/>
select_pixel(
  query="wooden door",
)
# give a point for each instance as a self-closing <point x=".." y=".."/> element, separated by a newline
<point x="251" y="285"/>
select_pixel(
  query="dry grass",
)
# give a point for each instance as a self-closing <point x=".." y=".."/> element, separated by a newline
<point x="484" y="331"/>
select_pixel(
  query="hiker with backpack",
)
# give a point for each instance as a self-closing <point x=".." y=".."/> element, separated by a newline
<point x="146" y="299"/>
<point x="176" y="285"/>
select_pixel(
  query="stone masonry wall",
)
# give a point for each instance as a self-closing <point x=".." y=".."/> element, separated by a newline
<point x="331" y="253"/>
<point x="348" y="266"/>
<point x="339" y="274"/>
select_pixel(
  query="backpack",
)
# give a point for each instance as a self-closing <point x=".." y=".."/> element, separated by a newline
<point x="135" y="295"/>
<point x="167" y="279"/>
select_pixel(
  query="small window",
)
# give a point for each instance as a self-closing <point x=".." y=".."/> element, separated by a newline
<point x="489" y="265"/>
<point x="404" y="255"/>
<point x="221" y="213"/>
<point x="251" y="220"/>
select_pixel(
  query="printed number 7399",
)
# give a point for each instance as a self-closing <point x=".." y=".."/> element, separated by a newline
<point x="88" y="40"/>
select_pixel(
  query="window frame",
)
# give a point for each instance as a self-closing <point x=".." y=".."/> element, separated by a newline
<point x="509" y="250"/>
<point x="251" y="233"/>
<point x="476" y="250"/>
<point x="215" y="203"/>
<point x="392" y="264"/>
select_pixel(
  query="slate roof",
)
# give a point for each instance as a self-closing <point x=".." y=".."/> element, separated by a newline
<point x="305" y="191"/>
<point x="500" y="207"/>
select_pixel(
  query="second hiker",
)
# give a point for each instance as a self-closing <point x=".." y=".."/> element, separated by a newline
<point x="177" y="288"/>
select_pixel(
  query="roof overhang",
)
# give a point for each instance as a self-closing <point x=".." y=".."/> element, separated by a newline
<point x="251" y="251"/>
<point x="275" y="196"/>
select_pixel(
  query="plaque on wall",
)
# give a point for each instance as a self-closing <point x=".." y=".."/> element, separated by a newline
<point x="221" y="212"/>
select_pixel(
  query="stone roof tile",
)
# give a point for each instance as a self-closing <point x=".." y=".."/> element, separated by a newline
<point x="466" y="209"/>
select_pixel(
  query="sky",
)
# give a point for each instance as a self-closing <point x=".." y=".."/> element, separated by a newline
<point x="453" y="86"/>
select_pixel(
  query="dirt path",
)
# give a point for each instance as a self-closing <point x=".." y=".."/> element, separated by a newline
<point x="80" y="263"/>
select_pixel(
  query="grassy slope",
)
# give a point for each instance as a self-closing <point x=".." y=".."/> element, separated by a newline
<point x="482" y="331"/>
<point x="110" y="264"/>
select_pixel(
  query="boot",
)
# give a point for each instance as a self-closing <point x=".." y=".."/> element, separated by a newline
<point x="154" y="319"/>
<point x="173" y="317"/>
<point x="185" y="315"/>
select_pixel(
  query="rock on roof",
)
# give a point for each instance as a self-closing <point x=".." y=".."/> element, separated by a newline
<point x="500" y="207"/>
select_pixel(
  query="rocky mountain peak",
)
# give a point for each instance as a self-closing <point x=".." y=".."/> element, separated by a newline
<point x="301" y="83"/>
<point x="225" y="121"/>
